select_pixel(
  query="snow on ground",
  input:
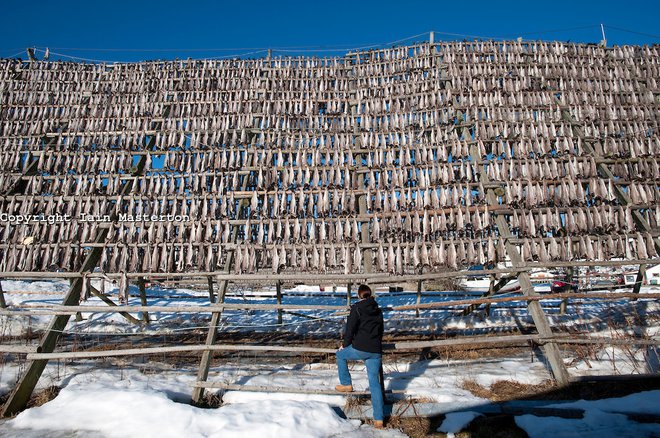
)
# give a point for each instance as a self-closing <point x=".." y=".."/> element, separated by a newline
<point x="601" y="418"/>
<point x="118" y="397"/>
<point x="126" y="402"/>
<point x="143" y="412"/>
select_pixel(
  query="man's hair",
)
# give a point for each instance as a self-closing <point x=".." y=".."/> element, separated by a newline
<point x="364" y="291"/>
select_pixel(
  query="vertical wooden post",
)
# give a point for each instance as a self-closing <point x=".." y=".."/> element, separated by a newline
<point x="211" y="294"/>
<point x="3" y="303"/>
<point x="432" y="38"/>
<point x="419" y="297"/>
<point x="143" y="300"/>
<point x="641" y="274"/>
<point x="278" y="287"/>
<point x="534" y="308"/>
<point x="569" y="279"/>
<point x="348" y="294"/>
<point x="79" y="317"/>
<point x="207" y="356"/>
<point x="211" y="336"/>
<point x="491" y="291"/>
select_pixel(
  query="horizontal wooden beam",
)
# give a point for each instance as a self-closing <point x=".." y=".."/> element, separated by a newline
<point x="295" y="390"/>
<point x="317" y="278"/>
<point x="402" y="346"/>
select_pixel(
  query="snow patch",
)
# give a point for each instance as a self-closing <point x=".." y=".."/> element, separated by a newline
<point x="148" y="413"/>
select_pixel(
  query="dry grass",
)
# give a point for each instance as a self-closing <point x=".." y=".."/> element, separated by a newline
<point x="414" y="427"/>
<point x="38" y="398"/>
<point x="44" y="396"/>
<point x="504" y="390"/>
<point x="211" y="400"/>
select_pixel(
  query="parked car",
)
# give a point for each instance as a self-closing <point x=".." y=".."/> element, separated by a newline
<point x="560" y="286"/>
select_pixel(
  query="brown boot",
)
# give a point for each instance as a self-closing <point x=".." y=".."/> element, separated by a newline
<point x="378" y="424"/>
<point x="344" y="388"/>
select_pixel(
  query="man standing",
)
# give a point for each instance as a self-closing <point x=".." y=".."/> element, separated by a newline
<point x="363" y="340"/>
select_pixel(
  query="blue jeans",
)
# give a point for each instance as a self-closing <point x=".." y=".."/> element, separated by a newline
<point x="373" y="362"/>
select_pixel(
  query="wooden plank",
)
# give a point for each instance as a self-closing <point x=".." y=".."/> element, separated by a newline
<point x="21" y="349"/>
<point x="176" y="349"/>
<point x="564" y="303"/>
<point x="376" y="278"/>
<point x="292" y="390"/>
<point x="472" y="341"/>
<point x="111" y="303"/>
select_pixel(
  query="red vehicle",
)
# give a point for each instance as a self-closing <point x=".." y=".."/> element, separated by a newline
<point x="560" y="286"/>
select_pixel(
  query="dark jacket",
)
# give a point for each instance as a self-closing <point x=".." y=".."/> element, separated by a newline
<point x="364" y="328"/>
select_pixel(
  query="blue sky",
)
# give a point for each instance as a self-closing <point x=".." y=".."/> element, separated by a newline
<point x="124" y="30"/>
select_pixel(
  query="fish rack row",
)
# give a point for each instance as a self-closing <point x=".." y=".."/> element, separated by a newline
<point x="417" y="96"/>
<point x="403" y="163"/>
<point x="174" y="256"/>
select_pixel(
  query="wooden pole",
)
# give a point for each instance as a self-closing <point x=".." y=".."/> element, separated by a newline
<point x="641" y="274"/>
<point x="211" y="336"/>
<point x="400" y="346"/>
<point x="348" y="294"/>
<point x="294" y="390"/>
<point x="569" y="278"/>
<point x="419" y="297"/>
<point x="143" y="300"/>
<point x="207" y="356"/>
<point x="534" y="308"/>
<point x="111" y="303"/>
<point x="211" y="294"/>
<point x="278" y="286"/>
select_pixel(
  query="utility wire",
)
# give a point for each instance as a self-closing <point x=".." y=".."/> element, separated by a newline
<point x="631" y="31"/>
